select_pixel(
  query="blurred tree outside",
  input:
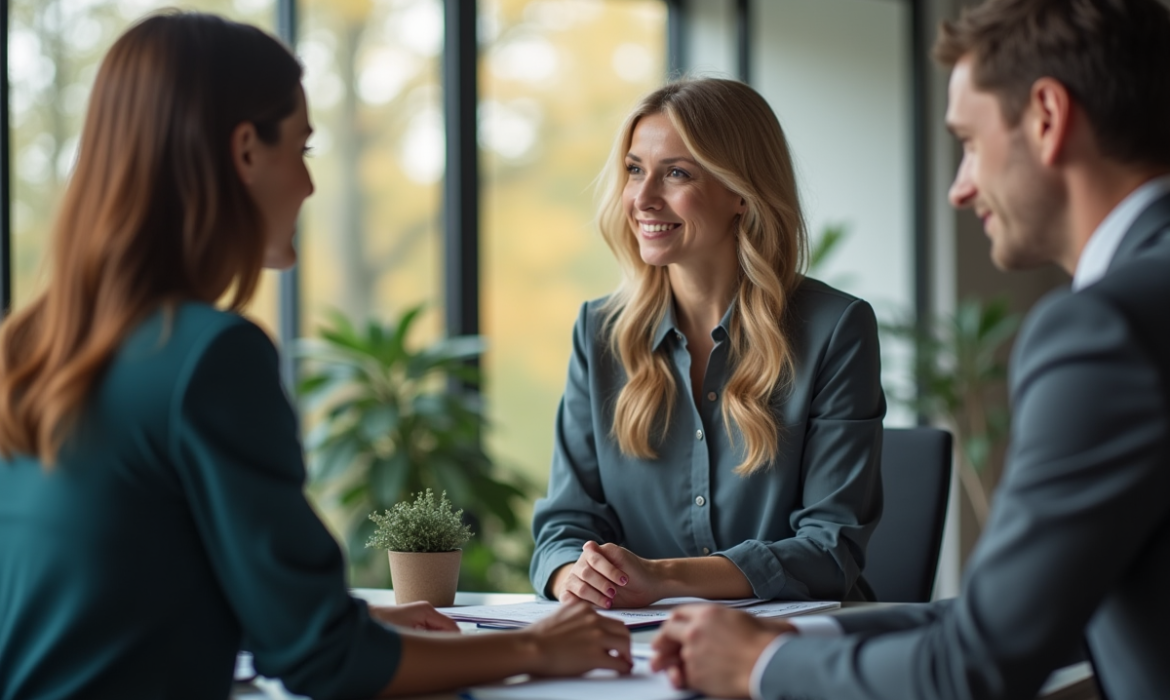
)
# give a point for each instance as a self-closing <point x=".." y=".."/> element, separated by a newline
<point x="54" y="49"/>
<point x="557" y="78"/>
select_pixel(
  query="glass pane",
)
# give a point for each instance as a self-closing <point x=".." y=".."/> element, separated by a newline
<point x="556" y="77"/>
<point x="54" y="48"/>
<point x="370" y="245"/>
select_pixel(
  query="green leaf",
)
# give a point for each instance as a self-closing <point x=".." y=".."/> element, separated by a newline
<point x="379" y="421"/>
<point x="388" y="478"/>
<point x="335" y="458"/>
<point x="825" y="245"/>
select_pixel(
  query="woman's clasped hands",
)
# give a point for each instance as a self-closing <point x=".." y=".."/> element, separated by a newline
<point x="609" y="576"/>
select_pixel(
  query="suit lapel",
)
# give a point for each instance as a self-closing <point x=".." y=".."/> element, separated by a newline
<point x="1151" y="228"/>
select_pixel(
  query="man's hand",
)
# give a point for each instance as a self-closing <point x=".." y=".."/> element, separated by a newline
<point x="610" y="576"/>
<point x="419" y="616"/>
<point x="713" y="648"/>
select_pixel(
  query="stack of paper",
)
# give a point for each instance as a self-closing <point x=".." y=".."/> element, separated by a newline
<point x="522" y="614"/>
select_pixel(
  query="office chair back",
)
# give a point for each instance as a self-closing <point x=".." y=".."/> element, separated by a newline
<point x="916" y="478"/>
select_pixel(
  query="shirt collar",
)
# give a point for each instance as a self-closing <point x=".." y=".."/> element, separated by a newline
<point x="1102" y="245"/>
<point x="668" y="326"/>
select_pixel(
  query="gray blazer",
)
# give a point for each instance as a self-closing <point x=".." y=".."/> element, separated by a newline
<point x="1079" y="535"/>
<point x="796" y="529"/>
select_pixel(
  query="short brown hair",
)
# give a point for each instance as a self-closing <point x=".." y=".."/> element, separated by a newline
<point x="1113" y="56"/>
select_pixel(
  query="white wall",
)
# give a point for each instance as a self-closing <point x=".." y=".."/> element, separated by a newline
<point x="837" y="73"/>
<point x="710" y="39"/>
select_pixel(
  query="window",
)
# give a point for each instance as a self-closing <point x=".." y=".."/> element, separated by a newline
<point x="54" y="49"/>
<point x="557" y="77"/>
<point x="371" y="243"/>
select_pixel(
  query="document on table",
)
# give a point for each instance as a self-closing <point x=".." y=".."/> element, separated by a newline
<point x="522" y="614"/>
<point x="642" y="684"/>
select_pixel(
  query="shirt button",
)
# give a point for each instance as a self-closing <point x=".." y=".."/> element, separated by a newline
<point x="698" y="434"/>
<point x="706" y="551"/>
<point x="699" y="501"/>
<point x="711" y="396"/>
<point x="677" y="335"/>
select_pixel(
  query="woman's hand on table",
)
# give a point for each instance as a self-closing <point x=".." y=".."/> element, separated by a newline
<point x="575" y="639"/>
<point x="609" y="576"/>
<point x="419" y="615"/>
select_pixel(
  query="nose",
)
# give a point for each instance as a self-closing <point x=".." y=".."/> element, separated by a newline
<point x="963" y="189"/>
<point x="647" y="196"/>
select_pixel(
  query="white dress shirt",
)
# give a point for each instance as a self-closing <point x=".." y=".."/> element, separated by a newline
<point x="1098" y="252"/>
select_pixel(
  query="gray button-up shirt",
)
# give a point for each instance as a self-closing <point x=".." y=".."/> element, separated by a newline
<point x="798" y="528"/>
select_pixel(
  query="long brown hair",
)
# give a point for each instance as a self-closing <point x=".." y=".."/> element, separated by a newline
<point x="155" y="212"/>
<point x="733" y="133"/>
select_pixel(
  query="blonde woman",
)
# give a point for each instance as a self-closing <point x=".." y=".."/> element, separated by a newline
<point x="720" y="431"/>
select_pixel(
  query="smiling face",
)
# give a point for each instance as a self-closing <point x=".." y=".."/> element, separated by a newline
<point x="279" y="182"/>
<point x="680" y="213"/>
<point x="1001" y="177"/>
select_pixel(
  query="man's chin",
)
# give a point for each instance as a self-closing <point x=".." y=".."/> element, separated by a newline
<point x="1007" y="260"/>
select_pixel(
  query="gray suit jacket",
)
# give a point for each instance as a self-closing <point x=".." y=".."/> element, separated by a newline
<point x="1079" y="536"/>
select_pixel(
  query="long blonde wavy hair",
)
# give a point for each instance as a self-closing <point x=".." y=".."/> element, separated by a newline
<point x="733" y="134"/>
<point x="154" y="213"/>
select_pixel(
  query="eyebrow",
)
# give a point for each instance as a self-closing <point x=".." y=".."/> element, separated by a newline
<point x="665" y="161"/>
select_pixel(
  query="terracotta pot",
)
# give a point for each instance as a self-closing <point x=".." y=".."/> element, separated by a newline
<point x="429" y="576"/>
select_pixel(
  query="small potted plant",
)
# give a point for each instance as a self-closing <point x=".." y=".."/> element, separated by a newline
<point x="423" y="540"/>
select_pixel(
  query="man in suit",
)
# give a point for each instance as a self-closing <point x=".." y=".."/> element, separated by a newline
<point x="1063" y="111"/>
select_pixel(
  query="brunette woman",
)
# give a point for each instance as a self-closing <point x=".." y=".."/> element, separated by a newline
<point x="152" y="515"/>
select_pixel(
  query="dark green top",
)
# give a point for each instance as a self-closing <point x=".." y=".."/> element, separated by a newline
<point x="797" y="528"/>
<point x="174" y="531"/>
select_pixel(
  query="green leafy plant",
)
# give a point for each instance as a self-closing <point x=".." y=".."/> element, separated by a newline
<point x="387" y="421"/>
<point x="422" y="526"/>
<point x="961" y="368"/>
<point x="824" y="247"/>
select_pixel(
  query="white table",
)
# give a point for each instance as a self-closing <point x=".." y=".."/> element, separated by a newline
<point x="1070" y="683"/>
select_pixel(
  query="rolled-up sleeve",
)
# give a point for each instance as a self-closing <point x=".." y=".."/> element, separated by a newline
<point x="840" y="475"/>
<point x="234" y="443"/>
<point x="575" y="510"/>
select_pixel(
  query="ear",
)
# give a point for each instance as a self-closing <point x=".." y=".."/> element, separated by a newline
<point x="742" y="208"/>
<point x="1048" y="119"/>
<point x="244" y="143"/>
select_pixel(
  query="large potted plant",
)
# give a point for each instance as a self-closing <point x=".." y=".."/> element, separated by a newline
<point x="958" y="375"/>
<point x="961" y="368"/>
<point x="424" y="541"/>
<point x="387" y="420"/>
